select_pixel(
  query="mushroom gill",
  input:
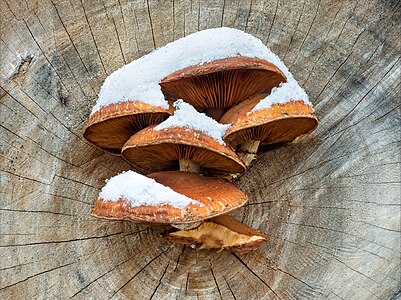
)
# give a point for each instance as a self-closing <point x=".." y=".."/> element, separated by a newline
<point x="155" y="150"/>
<point x="222" y="83"/>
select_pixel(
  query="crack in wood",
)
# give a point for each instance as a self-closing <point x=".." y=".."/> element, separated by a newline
<point x="342" y="232"/>
<point x="229" y="287"/>
<point x="248" y="15"/>
<point x="48" y="61"/>
<point x="295" y="30"/>
<point x="93" y="38"/>
<point x="179" y="256"/>
<point x="101" y="276"/>
<point x="76" y="181"/>
<point x="307" y="34"/>
<point x="61" y="241"/>
<point x="222" y="13"/>
<point x="272" y="24"/>
<point x="345" y="23"/>
<point x="160" y="281"/>
<point x="69" y="37"/>
<point x="37" y="211"/>
<point x="140" y="271"/>
<point x="215" y="281"/>
<point x="24" y="177"/>
<point x="38" y="274"/>
<point x="356" y="271"/>
<point x="68" y="198"/>
<point x="151" y="24"/>
<point x="115" y="29"/>
<point x="253" y="272"/>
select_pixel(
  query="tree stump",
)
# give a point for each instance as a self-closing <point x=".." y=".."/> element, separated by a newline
<point x="330" y="203"/>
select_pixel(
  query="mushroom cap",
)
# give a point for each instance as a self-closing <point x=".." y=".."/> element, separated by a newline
<point x="279" y="123"/>
<point x="112" y="125"/>
<point x="222" y="232"/>
<point x="156" y="150"/>
<point x="218" y="196"/>
<point x="223" y="82"/>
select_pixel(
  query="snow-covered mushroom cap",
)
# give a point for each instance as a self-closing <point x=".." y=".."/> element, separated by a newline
<point x="112" y="125"/>
<point x="170" y="197"/>
<point x="222" y="83"/>
<point x="186" y="135"/>
<point x="283" y="116"/>
<point x="140" y="78"/>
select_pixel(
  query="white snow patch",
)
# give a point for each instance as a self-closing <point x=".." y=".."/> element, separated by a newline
<point x="139" y="80"/>
<point x="187" y="116"/>
<point x="24" y="57"/>
<point x="140" y="190"/>
<point x="285" y="92"/>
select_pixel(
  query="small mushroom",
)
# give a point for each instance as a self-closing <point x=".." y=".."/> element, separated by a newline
<point x="112" y="125"/>
<point x="222" y="232"/>
<point x="222" y="83"/>
<point x="170" y="197"/>
<point x="279" y="122"/>
<point x="179" y="141"/>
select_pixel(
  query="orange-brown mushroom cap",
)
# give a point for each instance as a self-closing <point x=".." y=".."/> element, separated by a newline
<point x="156" y="150"/>
<point x="279" y="123"/>
<point x="222" y="232"/>
<point x="217" y="196"/>
<point x="223" y="82"/>
<point x="112" y="125"/>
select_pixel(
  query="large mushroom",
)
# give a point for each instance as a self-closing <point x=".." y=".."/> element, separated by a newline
<point x="112" y="125"/>
<point x="170" y="197"/>
<point x="222" y="232"/>
<point x="188" y="140"/>
<point x="284" y="116"/>
<point x="222" y="83"/>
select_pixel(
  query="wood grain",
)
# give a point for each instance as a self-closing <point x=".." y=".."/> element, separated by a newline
<point x="330" y="204"/>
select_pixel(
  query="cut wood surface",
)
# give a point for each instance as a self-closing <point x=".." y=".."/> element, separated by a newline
<point x="330" y="204"/>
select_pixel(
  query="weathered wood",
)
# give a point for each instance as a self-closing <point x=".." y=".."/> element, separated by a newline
<point x="330" y="203"/>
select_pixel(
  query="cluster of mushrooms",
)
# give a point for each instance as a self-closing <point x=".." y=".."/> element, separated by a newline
<point x="193" y="163"/>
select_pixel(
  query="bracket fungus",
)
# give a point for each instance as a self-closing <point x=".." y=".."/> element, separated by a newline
<point x="187" y="139"/>
<point x="170" y="197"/>
<point x="222" y="233"/>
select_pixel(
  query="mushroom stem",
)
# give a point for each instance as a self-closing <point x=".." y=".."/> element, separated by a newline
<point x="215" y="113"/>
<point x="187" y="165"/>
<point x="248" y="150"/>
<point x="250" y="147"/>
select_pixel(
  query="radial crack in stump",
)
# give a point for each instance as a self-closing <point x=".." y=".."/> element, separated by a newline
<point x="110" y="127"/>
<point x="222" y="233"/>
<point x="170" y="197"/>
<point x="181" y="142"/>
<point x="222" y="83"/>
<point x="286" y="121"/>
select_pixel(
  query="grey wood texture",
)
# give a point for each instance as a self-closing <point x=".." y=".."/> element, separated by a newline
<point x="330" y="204"/>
